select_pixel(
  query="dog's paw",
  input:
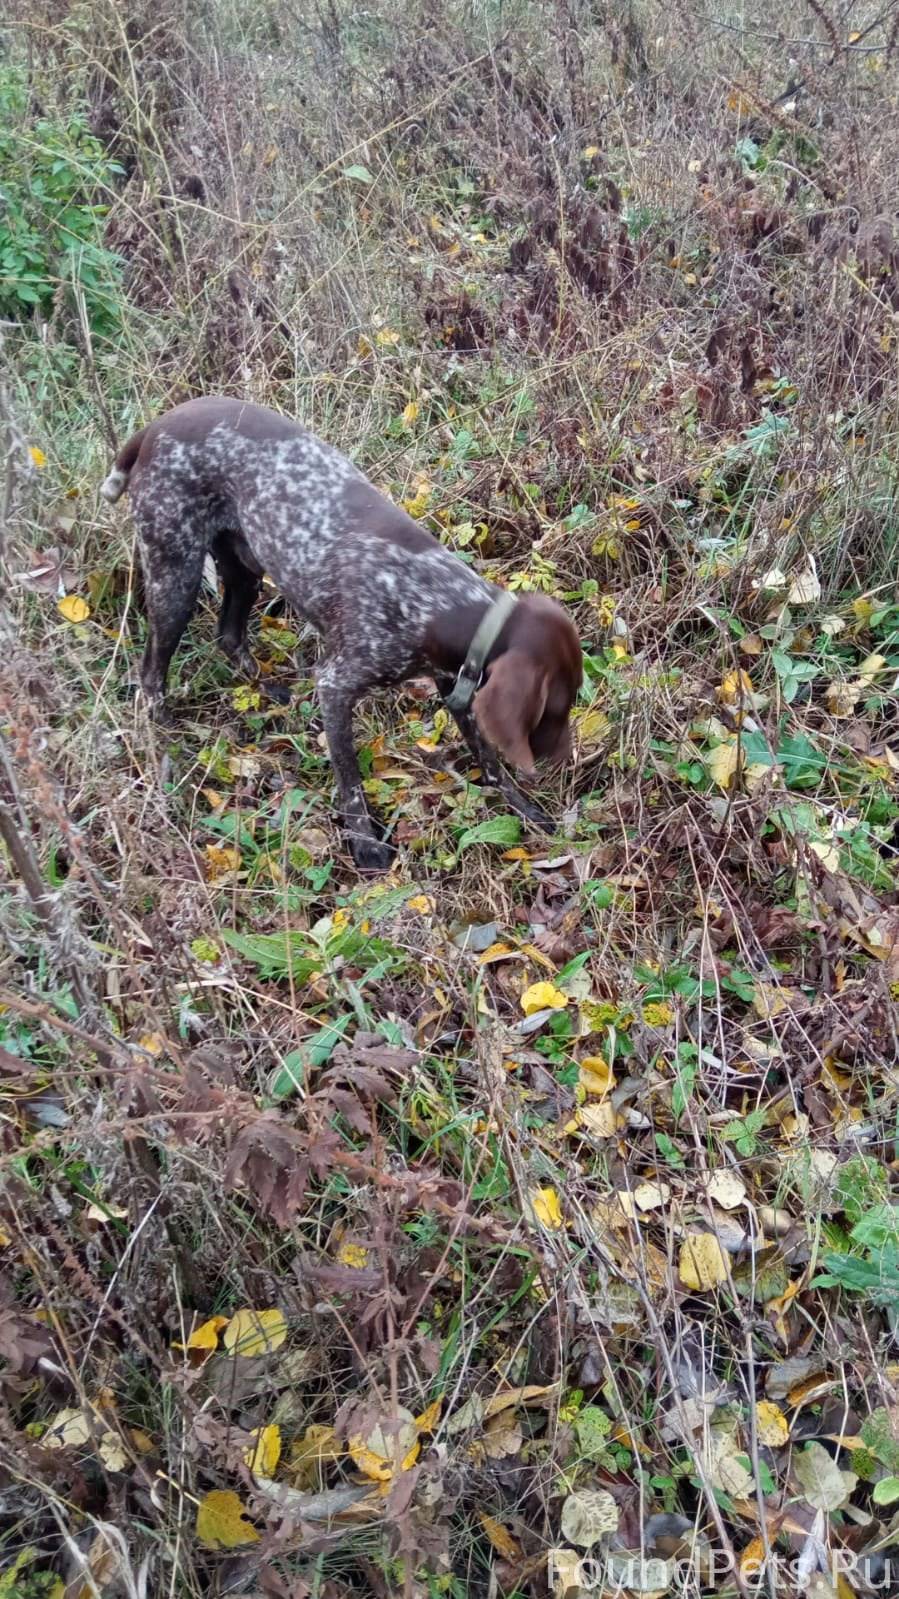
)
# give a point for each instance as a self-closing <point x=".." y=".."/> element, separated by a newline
<point x="372" y="854"/>
<point x="278" y="693"/>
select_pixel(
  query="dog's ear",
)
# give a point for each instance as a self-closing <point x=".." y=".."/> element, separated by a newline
<point x="511" y="703"/>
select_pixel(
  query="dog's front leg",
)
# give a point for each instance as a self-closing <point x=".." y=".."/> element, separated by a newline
<point x="338" y="691"/>
<point x="487" y="759"/>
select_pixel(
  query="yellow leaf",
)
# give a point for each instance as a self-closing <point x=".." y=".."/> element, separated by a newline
<point x="771" y="1424"/>
<point x="596" y="1076"/>
<point x="724" y="761"/>
<point x="703" y="1263"/>
<point x="37" y="456"/>
<point x="871" y="665"/>
<point x="68" y="1429"/>
<point x="220" y="860"/>
<point x="387" y="336"/>
<point x="354" y="1255"/>
<point x="598" y="1120"/>
<point x="264" y="1451"/>
<point x="502" y="1541"/>
<point x="752" y="1560"/>
<point x="255" y="1332"/>
<point x="590" y="151"/>
<point x="410" y="413"/>
<point x="392" y="1445"/>
<point x="734" y="687"/>
<point x="427" y="1421"/>
<point x="547" y="1209"/>
<point x="864" y="610"/>
<point x="420" y="903"/>
<point x="222" y="1523"/>
<point x="497" y="952"/>
<point x="73" y="608"/>
<point x="542" y="996"/>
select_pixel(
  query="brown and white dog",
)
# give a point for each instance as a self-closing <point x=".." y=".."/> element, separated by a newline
<point x="257" y="492"/>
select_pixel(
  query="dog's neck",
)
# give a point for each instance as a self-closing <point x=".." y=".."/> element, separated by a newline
<point x="450" y="634"/>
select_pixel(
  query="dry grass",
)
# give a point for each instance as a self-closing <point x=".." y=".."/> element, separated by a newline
<point x="609" y="294"/>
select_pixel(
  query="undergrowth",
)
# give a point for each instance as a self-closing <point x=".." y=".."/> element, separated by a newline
<point x="527" y="1220"/>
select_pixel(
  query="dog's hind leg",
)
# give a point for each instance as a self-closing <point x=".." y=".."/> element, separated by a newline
<point x="172" y="552"/>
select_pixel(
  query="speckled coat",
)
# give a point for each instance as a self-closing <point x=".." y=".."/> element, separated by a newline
<point x="259" y="493"/>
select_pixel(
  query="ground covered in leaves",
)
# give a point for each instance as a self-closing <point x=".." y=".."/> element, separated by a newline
<point x="526" y="1221"/>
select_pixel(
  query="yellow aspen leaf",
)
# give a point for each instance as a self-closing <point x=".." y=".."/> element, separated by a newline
<point x="37" y="456"/>
<point x="498" y="952"/>
<point x="392" y="1445"/>
<point x="724" y="762"/>
<point x="598" y="1120"/>
<point x="703" y="1263"/>
<point x="73" y="608"/>
<point x="353" y="1255"/>
<point x="542" y="996"/>
<point x="427" y="1421"/>
<point x="590" y="151"/>
<point x="501" y="1539"/>
<point x="547" y="1208"/>
<point x="596" y="1076"/>
<point x="385" y="336"/>
<point x="771" y="1424"/>
<point x="410" y="413"/>
<point x="222" y="1523"/>
<point x="255" y="1332"/>
<point x="220" y="860"/>
<point x="264" y="1450"/>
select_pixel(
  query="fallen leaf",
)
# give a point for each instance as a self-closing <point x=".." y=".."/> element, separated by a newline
<point x="501" y="1540"/>
<point x="735" y="687"/>
<point x="596" y="1076"/>
<point x="805" y="587"/>
<point x="547" y="1208"/>
<point x="503" y="1436"/>
<point x="264" y="1451"/>
<point x="255" y="1332"/>
<point x="871" y="665"/>
<point x="703" y="1263"/>
<point x="771" y="1424"/>
<point x="220" y="860"/>
<point x="724" y="762"/>
<point x="73" y="608"/>
<point x="564" y="1567"/>
<point x="726" y="1188"/>
<point x="587" y="1515"/>
<point x="598" y="1120"/>
<point x="542" y="996"/>
<point x="392" y="1446"/>
<point x="206" y="1336"/>
<point x="824" y="1486"/>
<point x="68" y="1429"/>
<point x="420" y="903"/>
<point x="650" y="1196"/>
<point x="410" y="413"/>
<point x="37" y="456"/>
<point x="222" y="1523"/>
<point x="429" y="1418"/>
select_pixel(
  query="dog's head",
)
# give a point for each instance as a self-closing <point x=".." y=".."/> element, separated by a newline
<point x="529" y="689"/>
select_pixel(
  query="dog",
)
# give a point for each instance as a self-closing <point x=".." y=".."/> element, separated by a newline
<point x="260" y="494"/>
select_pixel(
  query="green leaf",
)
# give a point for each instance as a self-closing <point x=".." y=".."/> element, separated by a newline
<point x="358" y="174"/>
<point x="504" y="830"/>
<point x="886" y="1491"/>
<point x="312" y="1052"/>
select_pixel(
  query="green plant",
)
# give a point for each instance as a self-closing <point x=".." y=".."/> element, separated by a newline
<point x="870" y="1263"/>
<point x="51" y="221"/>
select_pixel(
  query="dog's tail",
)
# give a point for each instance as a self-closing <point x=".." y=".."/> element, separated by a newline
<point x="113" y="487"/>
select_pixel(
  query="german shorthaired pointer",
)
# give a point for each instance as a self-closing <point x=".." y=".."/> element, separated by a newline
<point x="260" y="494"/>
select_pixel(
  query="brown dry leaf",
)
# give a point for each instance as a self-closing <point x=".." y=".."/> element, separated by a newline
<point x="501" y="1540"/>
<point x="841" y="698"/>
<point x="503" y="1436"/>
<point x="264" y="1450"/>
<point x="222" y="1523"/>
<point x="255" y="1332"/>
<point x="702" y="1264"/>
